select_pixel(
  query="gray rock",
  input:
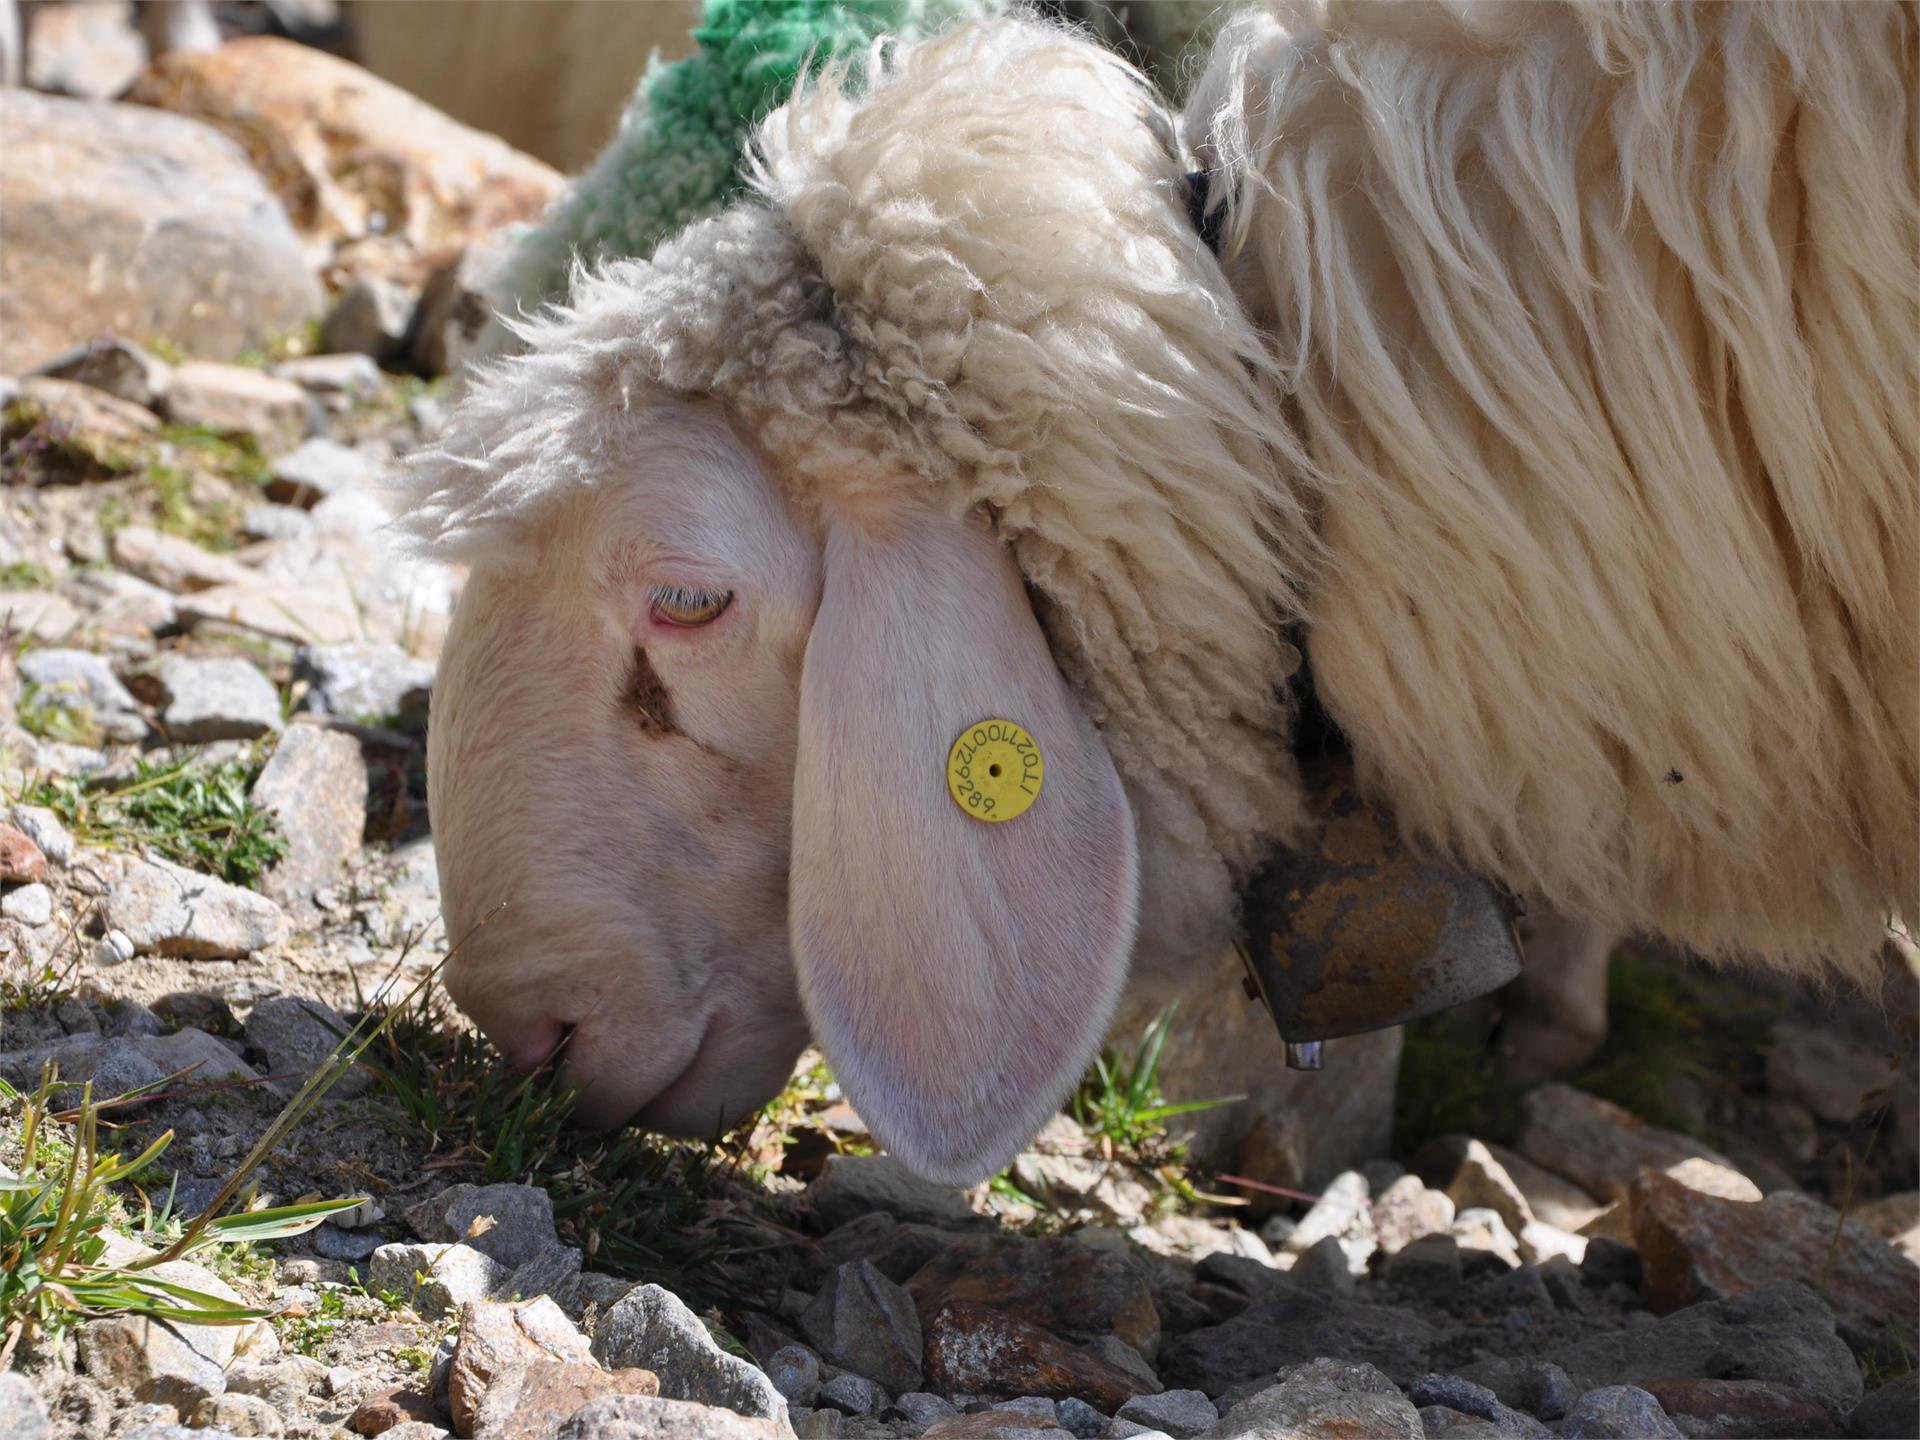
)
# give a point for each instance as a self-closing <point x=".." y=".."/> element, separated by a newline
<point x="1324" y="1267"/>
<point x="30" y="905"/>
<point x="1288" y="1325"/>
<point x="1476" y="1400"/>
<point x="1618" y="1412"/>
<point x="1541" y="1389"/>
<point x="172" y="212"/>
<point x="267" y="521"/>
<point x="862" y="1320"/>
<point x="23" y="1415"/>
<point x="437" y="1279"/>
<point x="1080" y="1419"/>
<point x="369" y="683"/>
<point x="156" y="1362"/>
<point x="91" y="52"/>
<point x="1834" y="1077"/>
<point x="298" y="1036"/>
<point x="1783" y="1334"/>
<point x="86" y="673"/>
<point x="1323" y="1400"/>
<point x="1341" y="1213"/>
<point x="1122" y="1356"/>
<point x="330" y="1242"/>
<point x="115" y="948"/>
<point x="112" y="1066"/>
<point x="1406" y="1210"/>
<point x="234" y="400"/>
<point x="239" y="1415"/>
<point x="1428" y="1266"/>
<point x="43" y="827"/>
<point x="1890" y="1413"/>
<point x="1484" y="1231"/>
<point x="282" y="1382"/>
<point x="217" y="699"/>
<point x="1179" y="1413"/>
<point x="119" y="367"/>
<point x="1612" y="1262"/>
<point x="207" y="1057"/>
<point x="1116" y="1430"/>
<point x="319" y="468"/>
<point x="554" y="1272"/>
<point x="653" y="1329"/>
<point x="795" y="1373"/>
<point x="853" y="1394"/>
<point x="921" y="1410"/>
<point x="349" y="374"/>
<point x="513" y="1224"/>
<point x="372" y="318"/>
<point x="166" y="909"/>
<point x="315" y="787"/>
<point x="850" y="1186"/>
<point x="1598" y="1145"/>
<point x="174" y="563"/>
<point x="636" y="1417"/>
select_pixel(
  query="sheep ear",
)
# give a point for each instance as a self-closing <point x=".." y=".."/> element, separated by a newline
<point x="959" y="972"/>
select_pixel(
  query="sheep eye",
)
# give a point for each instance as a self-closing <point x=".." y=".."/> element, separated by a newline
<point x="684" y="605"/>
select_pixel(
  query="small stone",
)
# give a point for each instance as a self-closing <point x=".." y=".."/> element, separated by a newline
<point x="30" y="905"/>
<point x="298" y="1036"/>
<point x="1408" y="1209"/>
<point x="1179" y="1413"/>
<point x="315" y="787"/>
<point x="1612" y="1262"/>
<point x="372" y="684"/>
<point x="166" y="909"/>
<point x="43" y="828"/>
<point x="865" y="1322"/>
<point x="528" y="1399"/>
<point x="1080" y="1419"/>
<point x="1540" y="1242"/>
<point x="1289" y="1324"/>
<point x="282" y="1382"/>
<point x="1699" y="1247"/>
<point x="419" y="1430"/>
<point x="151" y="1360"/>
<point x="1122" y="1356"/>
<point x="1890" y="1413"/>
<point x="1074" y="1291"/>
<point x="795" y="1372"/>
<point x="330" y="1242"/>
<point x="38" y="614"/>
<point x="1482" y="1182"/>
<point x="510" y="1222"/>
<point x="267" y="521"/>
<point x="23" y="1414"/>
<point x="20" y="859"/>
<point x="1598" y="1145"/>
<point x="233" y="400"/>
<point x="1541" y="1389"/>
<point x="1618" y="1412"/>
<point x="384" y="1409"/>
<point x="1742" y="1410"/>
<point x="81" y="671"/>
<point x="319" y="468"/>
<point x="188" y="1049"/>
<point x="493" y="1336"/>
<point x="115" y="948"/>
<point x="819" y="1425"/>
<point x="1341" y="1211"/>
<point x="1002" y="1425"/>
<point x="854" y="1185"/>
<point x="922" y="1410"/>
<point x="89" y="434"/>
<point x="972" y="1349"/>
<point x="173" y="563"/>
<point x="652" y="1329"/>
<point x="349" y="374"/>
<point x="638" y="1417"/>
<point x="320" y="610"/>
<point x="852" y="1394"/>
<point x="372" y="318"/>
<point x="1324" y="1399"/>
<point x="437" y="1279"/>
<point x="1896" y="1218"/>
<point x="118" y="367"/>
<point x="1324" y="1267"/>
<point x="1836" y="1078"/>
<point x="1484" y="1230"/>
<point x="1478" y="1401"/>
<point x="217" y="699"/>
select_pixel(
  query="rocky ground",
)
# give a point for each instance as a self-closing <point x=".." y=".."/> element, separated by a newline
<point x="215" y="859"/>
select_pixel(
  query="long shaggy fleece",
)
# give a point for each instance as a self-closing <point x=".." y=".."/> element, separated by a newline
<point x="1600" y="322"/>
<point x="1562" y="378"/>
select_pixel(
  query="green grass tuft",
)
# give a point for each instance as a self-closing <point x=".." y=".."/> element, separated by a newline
<point x="192" y="813"/>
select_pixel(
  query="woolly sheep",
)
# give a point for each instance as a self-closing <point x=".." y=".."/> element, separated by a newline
<point x="1558" y="382"/>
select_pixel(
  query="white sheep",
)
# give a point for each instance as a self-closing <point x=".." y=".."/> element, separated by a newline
<point x="1559" y="379"/>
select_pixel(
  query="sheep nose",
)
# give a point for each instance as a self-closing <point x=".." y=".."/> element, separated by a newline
<point x="536" y="1045"/>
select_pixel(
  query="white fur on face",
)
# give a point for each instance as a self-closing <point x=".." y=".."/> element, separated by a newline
<point x="632" y="850"/>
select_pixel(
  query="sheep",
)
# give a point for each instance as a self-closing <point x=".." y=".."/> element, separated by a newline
<point x="1556" y="384"/>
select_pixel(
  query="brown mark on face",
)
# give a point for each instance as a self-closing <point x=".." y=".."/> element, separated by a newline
<point x="646" y="696"/>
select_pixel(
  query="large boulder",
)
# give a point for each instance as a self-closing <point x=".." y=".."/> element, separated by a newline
<point x="352" y="156"/>
<point x="181" y="240"/>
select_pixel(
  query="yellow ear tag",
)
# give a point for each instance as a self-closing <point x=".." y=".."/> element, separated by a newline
<point x="994" y="771"/>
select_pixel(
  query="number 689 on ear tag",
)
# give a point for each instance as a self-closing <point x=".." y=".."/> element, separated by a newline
<point x="994" y="771"/>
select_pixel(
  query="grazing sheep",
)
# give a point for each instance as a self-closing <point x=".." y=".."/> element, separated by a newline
<point x="1559" y="382"/>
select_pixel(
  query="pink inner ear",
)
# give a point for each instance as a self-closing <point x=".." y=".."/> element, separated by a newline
<point x="959" y="974"/>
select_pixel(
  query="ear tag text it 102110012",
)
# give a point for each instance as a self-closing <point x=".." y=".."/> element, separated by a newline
<point x="994" y="771"/>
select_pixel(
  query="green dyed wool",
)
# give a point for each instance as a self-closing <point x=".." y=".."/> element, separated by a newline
<point x="676" y="156"/>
